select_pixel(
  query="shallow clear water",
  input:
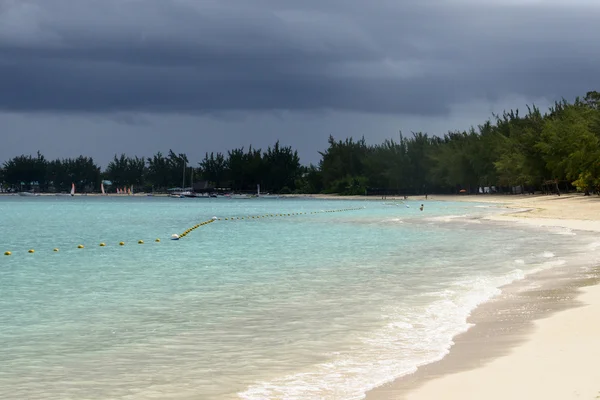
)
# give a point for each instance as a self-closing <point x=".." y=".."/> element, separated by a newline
<point x="318" y="305"/>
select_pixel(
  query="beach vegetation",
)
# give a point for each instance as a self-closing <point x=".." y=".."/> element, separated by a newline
<point x="512" y="152"/>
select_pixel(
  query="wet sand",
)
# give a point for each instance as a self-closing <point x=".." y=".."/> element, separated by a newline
<point x="539" y="339"/>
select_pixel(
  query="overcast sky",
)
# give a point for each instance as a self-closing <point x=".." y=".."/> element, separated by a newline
<point x="99" y="77"/>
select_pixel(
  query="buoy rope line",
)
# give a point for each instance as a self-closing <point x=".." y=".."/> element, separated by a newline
<point x="80" y="246"/>
<point x="289" y="214"/>
<point x="210" y="221"/>
<point x="193" y="228"/>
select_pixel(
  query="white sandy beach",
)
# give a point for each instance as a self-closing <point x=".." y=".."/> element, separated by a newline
<point x="557" y="359"/>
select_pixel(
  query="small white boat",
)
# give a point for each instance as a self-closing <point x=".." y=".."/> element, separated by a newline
<point x="188" y="193"/>
<point x="265" y="195"/>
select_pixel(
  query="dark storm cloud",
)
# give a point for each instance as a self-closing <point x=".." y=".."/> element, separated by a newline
<point x="192" y="56"/>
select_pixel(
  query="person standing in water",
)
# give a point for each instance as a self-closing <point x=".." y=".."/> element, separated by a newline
<point x="421" y="208"/>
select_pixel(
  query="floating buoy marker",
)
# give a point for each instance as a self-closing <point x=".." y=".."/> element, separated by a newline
<point x="7" y="253"/>
<point x="80" y="246"/>
<point x="31" y="251"/>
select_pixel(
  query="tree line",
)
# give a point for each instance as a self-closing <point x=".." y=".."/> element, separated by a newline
<point x="554" y="150"/>
<point x="277" y="169"/>
<point x="551" y="151"/>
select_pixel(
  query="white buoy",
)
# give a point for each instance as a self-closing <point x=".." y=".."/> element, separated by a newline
<point x="215" y="218"/>
<point x="174" y="236"/>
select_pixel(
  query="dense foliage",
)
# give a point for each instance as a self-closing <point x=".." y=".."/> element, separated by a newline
<point x="57" y="175"/>
<point x="556" y="150"/>
<point x="277" y="169"/>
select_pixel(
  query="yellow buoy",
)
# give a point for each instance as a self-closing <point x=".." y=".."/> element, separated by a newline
<point x="102" y="244"/>
<point x="31" y="251"/>
<point x="157" y="240"/>
<point x="55" y="250"/>
<point x="140" y="242"/>
<point x="80" y="246"/>
<point x="7" y="253"/>
<point x="121" y="243"/>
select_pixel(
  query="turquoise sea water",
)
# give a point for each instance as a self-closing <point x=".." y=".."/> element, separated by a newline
<point x="310" y="306"/>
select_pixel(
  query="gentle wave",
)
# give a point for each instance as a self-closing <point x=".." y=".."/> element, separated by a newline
<point x="446" y="218"/>
<point x="563" y="231"/>
<point x="395" y="220"/>
<point x="410" y="339"/>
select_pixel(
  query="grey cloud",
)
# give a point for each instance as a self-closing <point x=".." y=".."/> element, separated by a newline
<point x="185" y="56"/>
<point x="102" y="135"/>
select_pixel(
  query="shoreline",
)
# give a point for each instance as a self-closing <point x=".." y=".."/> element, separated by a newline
<point x="527" y="312"/>
<point x="534" y="340"/>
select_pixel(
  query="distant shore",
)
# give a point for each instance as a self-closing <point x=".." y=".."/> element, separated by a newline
<point x="545" y="345"/>
<point x="574" y="211"/>
<point x="141" y="194"/>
